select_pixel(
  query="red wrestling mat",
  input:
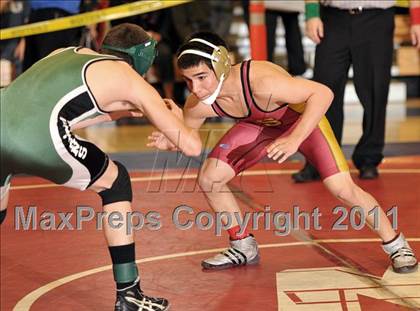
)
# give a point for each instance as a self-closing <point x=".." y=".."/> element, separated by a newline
<point x="304" y="269"/>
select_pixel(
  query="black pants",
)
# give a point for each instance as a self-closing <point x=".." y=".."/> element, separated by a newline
<point x="164" y="63"/>
<point x="39" y="46"/>
<point x="295" y="60"/>
<point x="364" y="40"/>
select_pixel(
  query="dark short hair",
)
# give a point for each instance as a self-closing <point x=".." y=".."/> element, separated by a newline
<point x="192" y="60"/>
<point x="124" y="35"/>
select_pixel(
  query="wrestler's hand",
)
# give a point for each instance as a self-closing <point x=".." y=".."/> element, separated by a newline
<point x="282" y="148"/>
<point x="174" y="108"/>
<point x="159" y="141"/>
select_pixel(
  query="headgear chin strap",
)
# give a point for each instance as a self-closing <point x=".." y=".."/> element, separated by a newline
<point x="212" y="98"/>
<point x="142" y="55"/>
<point x="220" y="62"/>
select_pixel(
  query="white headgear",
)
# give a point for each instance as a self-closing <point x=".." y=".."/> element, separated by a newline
<point x="220" y="62"/>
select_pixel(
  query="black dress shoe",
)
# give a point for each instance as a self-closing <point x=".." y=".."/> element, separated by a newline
<point x="307" y="174"/>
<point x="368" y="172"/>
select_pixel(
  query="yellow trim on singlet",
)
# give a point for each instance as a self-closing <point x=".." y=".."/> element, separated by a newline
<point x="328" y="133"/>
<point x="300" y="108"/>
<point x="335" y="148"/>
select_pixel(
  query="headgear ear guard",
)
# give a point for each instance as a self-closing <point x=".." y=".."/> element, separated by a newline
<point x="219" y="58"/>
<point x="142" y="55"/>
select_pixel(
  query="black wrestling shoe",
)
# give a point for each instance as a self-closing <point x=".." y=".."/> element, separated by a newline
<point x="307" y="174"/>
<point x="133" y="299"/>
<point x="368" y="172"/>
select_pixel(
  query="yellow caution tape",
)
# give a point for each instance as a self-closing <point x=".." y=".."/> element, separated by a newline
<point x="89" y="18"/>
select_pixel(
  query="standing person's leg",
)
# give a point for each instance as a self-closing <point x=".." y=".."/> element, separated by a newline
<point x="52" y="41"/>
<point x="245" y="8"/>
<point x="372" y="50"/>
<point x="165" y="67"/>
<point x="295" y="58"/>
<point x="39" y="46"/>
<point x="30" y="56"/>
<point x="271" y="25"/>
<point x="31" y="48"/>
<point x="322" y="150"/>
<point x="48" y="42"/>
<point x="332" y="62"/>
<point x="221" y="17"/>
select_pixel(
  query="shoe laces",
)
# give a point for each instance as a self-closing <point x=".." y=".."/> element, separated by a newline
<point x="146" y="303"/>
<point x="402" y="253"/>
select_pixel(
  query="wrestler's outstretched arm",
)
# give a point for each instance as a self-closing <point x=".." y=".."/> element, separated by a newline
<point x="112" y="116"/>
<point x="193" y="117"/>
<point x="126" y="86"/>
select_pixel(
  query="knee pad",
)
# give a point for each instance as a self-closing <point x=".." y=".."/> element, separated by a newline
<point x="120" y="190"/>
<point x="2" y="215"/>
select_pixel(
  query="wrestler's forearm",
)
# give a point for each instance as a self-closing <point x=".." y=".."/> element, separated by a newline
<point x="90" y="122"/>
<point x="112" y="116"/>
